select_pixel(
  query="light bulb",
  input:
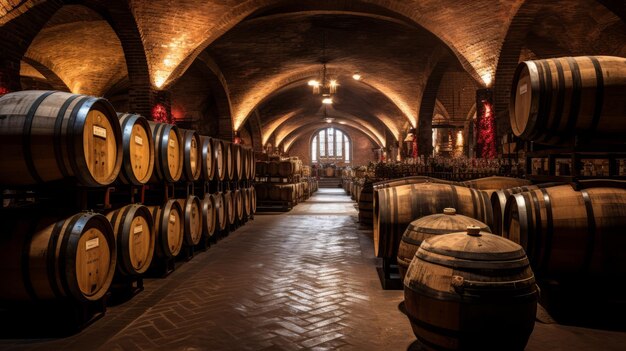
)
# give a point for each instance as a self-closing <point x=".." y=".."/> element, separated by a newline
<point x="356" y="76"/>
<point x="327" y="101"/>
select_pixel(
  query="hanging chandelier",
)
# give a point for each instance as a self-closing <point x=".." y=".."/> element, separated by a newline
<point x="324" y="86"/>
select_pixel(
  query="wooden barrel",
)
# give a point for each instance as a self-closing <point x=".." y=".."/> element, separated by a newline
<point x="221" y="217"/>
<point x="208" y="158"/>
<point x="286" y="168"/>
<point x="138" y="149"/>
<point x="229" y="206"/>
<point x="220" y="159"/>
<point x="274" y="192"/>
<point x="287" y="192"/>
<point x="262" y="191"/>
<point x="262" y="168"/>
<point x="208" y="215"/>
<point x="366" y="204"/>
<point x="169" y="229"/>
<point x="235" y="153"/>
<point x="245" y="167"/>
<point x="168" y="148"/>
<point x="44" y="258"/>
<point x="47" y="135"/>
<point x="238" y="203"/>
<point x="495" y="182"/>
<point x="567" y="232"/>
<point x="252" y="164"/>
<point x="555" y="100"/>
<point x="396" y="207"/>
<point x="272" y="168"/>
<point x="229" y="155"/>
<point x="471" y="291"/>
<point x="252" y="200"/>
<point x="192" y="155"/>
<point x="248" y="165"/>
<point x="428" y="227"/>
<point x="134" y="236"/>
<point x="192" y="217"/>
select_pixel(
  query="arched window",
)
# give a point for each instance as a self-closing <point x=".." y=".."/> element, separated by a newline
<point x="330" y="145"/>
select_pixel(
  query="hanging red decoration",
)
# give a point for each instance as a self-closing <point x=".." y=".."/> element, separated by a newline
<point x="237" y="139"/>
<point x="414" y="146"/>
<point x="159" y="114"/>
<point x="487" y="132"/>
<point x="3" y="91"/>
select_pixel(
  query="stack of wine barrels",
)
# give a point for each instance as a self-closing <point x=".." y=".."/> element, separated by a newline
<point x="280" y="182"/>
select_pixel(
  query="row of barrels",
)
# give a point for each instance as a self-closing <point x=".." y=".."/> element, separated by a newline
<point x="50" y="135"/>
<point x="46" y="258"/>
<point x="294" y="192"/>
<point x="285" y="168"/>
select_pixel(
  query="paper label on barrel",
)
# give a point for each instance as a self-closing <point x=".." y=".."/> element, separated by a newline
<point x="138" y="229"/>
<point x="172" y="218"/>
<point x="523" y="89"/>
<point x="100" y="132"/>
<point x="172" y="143"/>
<point x="138" y="140"/>
<point x="92" y="244"/>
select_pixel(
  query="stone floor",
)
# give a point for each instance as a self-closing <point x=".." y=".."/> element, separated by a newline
<point x="304" y="279"/>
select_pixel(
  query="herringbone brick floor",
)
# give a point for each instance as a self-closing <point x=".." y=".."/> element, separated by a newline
<point x="302" y="280"/>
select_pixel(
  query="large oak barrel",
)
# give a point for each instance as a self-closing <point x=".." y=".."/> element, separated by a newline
<point x="229" y="206"/>
<point x="429" y="226"/>
<point x="168" y="153"/>
<point x="253" y="200"/>
<point x="567" y="232"/>
<point x="235" y="153"/>
<point x="286" y="168"/>
<point x="229" y="160"/>
<point x="221" y="217"/>
<point x="192" y="216"/>
<point x="396" y="207"/>
<point x="274" y="192"/>
<point x="408" y="180"/>
<point x="471" y="291"/>
<point x="134" y="236"/>
<point x="272" y="168"/>
<point x="238" y="203"/>
<point x="208" y="158"/>
<point x="495" y="182"/>
<point x="262" y="190"/>
<point x="246" y="193"/>
<point x="555" y="100"/>
<point x="252" y="164"/>
<point x="169" y="229"/>
<point x="208" y="215"/>
<point x="366" y="204"/>
<point x="192" y="155"/>
<point x="220" y="161"/>
<point x="138" y="149"/>
<point x="47" y="135"/>
<point x="247" y="165"/>
<point x="43" y="258"/>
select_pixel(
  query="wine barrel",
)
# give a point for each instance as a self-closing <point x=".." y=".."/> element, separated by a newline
<point x="272" y="168"/>
<point x="192" y="217"/>
<point x="471" y="291"/>
<point x="245" y="169"/>
<point x="262" y="191"/>
<point x="229" y="206"/>
<point x="168" y="153"/>
<point x="495" y="182"/>
<point x="43" y="258"/>
<point x="208" y="158"/>
<point x="274" y="192"/>
<point x="246" y="194"/>
<point x="221" y="217"/>
<point x="408" y="180"/>
<point x="396" y="207"/>
<point x="248" y="164"/>
<point x="286" y="168"/>
<point x="229" y="158"/>
<point x="252" y="200"/>
<point x="262" y="168"/>
<point x="235" y="153"/>
<point x="555" y="100"/>
<point x="428" y="227"/>
<point x="192" y="155"/>
<point x="208" y="215"/>
<point x="134" y="237"/>
<point x="169" y="229"/>
<point x="570" y="233"/>
<point x="238" y="204"/>
<point x="138" y="149"/>
<point x="252" y="164"/>
<point x="48" y="135"/>
<point x="220" y="159"/>
<point x="366" y="204"/>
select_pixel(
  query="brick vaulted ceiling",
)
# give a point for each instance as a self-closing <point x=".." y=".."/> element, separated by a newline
<point x="266" y="50"/>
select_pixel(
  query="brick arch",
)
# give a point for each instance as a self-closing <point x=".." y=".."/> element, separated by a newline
<point x="51" y="78"/>
<point x="221" y="94"/>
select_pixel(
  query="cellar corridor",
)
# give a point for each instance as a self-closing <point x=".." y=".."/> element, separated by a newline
<point x="303" y="279"/>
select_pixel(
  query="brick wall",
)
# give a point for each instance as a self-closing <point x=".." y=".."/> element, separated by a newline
<point x="457" y="93"/>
